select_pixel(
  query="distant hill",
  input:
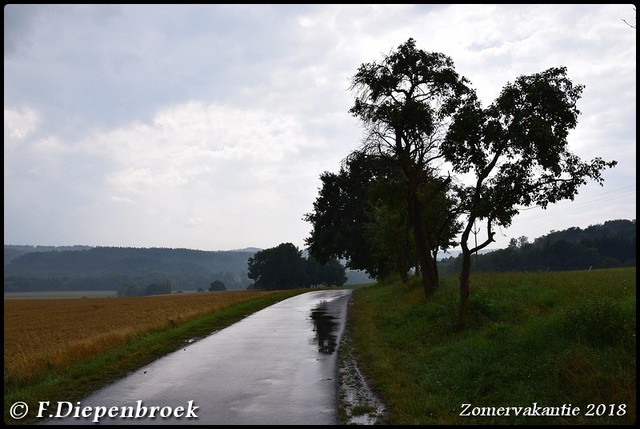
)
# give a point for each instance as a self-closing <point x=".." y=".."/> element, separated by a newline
<point x="248" y="249"/>
<point x="608" y="245"/>
<point x="67" y="268"/>
<point x="79" y="268"/>
<point x="13" y="251"/>
<point x="125" y="260"/>
<point x="94" y="268"/>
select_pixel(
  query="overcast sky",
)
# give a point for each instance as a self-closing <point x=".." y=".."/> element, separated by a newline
<point x="208" y="126"/>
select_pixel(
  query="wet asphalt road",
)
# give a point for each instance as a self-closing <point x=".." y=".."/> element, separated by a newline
<point x="276" y="366"/>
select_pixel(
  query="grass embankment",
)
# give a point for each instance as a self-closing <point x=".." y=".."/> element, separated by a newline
<point x="61" y="350"/>
<point x="549" y="339"/>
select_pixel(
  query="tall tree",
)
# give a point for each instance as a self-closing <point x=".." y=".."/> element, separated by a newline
<point x="517" y="152"/>
<point x="405" y="103"/>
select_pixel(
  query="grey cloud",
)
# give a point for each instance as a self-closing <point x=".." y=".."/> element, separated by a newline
<point x="98" y="76"/>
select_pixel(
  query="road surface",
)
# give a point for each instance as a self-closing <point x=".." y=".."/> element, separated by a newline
<point x="276" y="366"/>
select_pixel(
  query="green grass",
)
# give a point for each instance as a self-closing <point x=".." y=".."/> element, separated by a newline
<point x="552" y="339"/>
<point x="81" y="378"/>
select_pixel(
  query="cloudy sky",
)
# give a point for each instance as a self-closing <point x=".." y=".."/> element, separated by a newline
<point x="208" y="126"/>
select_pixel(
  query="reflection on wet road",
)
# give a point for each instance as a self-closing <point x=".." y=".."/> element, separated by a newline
<point x="277" y="366"/>
<point x="325" y="328"/>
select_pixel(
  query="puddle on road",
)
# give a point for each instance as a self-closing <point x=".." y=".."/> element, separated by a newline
<point x="324" y="325"/>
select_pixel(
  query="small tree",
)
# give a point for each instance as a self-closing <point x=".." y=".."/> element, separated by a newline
<point x="158" y="288"/>
<point x="216" y="285"/>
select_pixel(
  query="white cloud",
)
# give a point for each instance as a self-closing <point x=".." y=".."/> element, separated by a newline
<point x="18" y="124"/>
<point x="203" y="166"/>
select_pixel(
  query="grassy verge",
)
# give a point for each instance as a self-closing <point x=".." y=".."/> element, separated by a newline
<point x="535" y="340"/>
<point x="81" y="378"/>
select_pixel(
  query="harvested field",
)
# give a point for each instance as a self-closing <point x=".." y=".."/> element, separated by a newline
<point x="41" y="334"/>
<point x="61" y="294"/>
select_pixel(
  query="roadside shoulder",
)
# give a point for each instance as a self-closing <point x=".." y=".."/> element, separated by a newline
<point x="357" y="403"/>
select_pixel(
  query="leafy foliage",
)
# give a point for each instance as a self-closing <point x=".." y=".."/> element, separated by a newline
<point x="283" y="267"/>
<point x="405" y="103"/>
<point x="217" y="285"/>
<point x="420" y="114"/>
<point x="342" y="212"/>
<point x="517" y="148"/>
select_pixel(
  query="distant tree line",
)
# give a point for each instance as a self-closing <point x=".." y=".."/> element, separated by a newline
<point x="126" y="260"/>
<point x="83" y="268"/>
<point x="115" y="282"/>
<point x="13" y="251"/>
<point x="608" y="245"/>
<point x="111" y="268"/>
<point x="159" y="288"/>
<point x="284" y="267"/>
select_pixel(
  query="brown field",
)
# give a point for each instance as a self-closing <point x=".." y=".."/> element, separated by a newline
<point x="45" y="333"/>
<point x="61" y="294"/>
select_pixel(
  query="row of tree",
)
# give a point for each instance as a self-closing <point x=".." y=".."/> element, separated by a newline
<point x="109" y="268"/>
<point x="108" y="281"/>
<point x="158" y="288"/>
<point x="608" y="245"/>
<point x="125" y="260"/>
<point x="284" y="267"/>
<point x="82" y="268"/>
<point x="434" y="162"/>
<point x="12" y="251"/>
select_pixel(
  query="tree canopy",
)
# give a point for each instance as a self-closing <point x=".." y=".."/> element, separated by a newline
<point x="516" y="151"/>
<point x="344" y="211"/>
<point x="283" y="267"/>
<point x="217" y="285"/>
